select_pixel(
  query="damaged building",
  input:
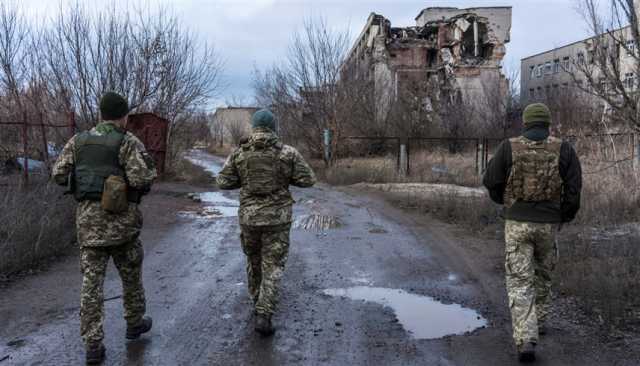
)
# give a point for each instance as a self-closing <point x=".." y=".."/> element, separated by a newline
<point x="455" y="54"/>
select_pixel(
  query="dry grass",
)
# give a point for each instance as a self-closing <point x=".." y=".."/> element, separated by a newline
<point x="602" y="272"/>
<point x="186" y="171"/>
<point x="35" y="223"/>
<point x="425" y="167"/>
<point x="610" y="196"/>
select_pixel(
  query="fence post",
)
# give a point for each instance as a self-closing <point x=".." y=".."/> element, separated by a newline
<point x="477" y="154"/>
<point x="45" y="145"/>
<point x="25" y="149"/>
<point x="480" y="156"/>
<point x="485" y="161"/>
<point x="403" y="160"/>
<point x="72" y="124"/>
<point x="327" y="146"/>
<point x="636" y="147"/>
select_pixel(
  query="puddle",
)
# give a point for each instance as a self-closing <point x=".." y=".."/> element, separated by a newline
<point x="316" y="222"/>
<point x="215" y="205"/>
<point x="360" y="280"/>
<point x="421" y="316"/>
<point x="204" y="160"/>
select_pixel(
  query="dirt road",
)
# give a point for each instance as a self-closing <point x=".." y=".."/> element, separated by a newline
<point x="382" y="288"/>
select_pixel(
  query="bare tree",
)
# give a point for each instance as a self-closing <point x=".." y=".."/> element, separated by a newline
<point x="609" y="68"/>
<point x="304" y="90"/>
<point x="62" y="64"/>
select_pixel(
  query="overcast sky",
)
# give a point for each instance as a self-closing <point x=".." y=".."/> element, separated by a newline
<point x="256" y="32"/>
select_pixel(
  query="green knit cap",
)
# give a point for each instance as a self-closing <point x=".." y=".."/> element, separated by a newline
<point x="536" y="112"/>
<point x="265" y="119"/>
<point x="113" y="106"/>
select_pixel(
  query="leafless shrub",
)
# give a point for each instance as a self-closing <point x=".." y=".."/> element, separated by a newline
<point x="304" y="90"/>
<point x="62" y="64"/>
<point x="35" y="223"/>
<point x="191" y="173"/>
<point x="607" y="70"/>
<point x="600" y="270"/>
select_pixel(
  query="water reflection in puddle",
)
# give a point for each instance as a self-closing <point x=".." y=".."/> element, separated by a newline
<point x="422" y="316"/>
<point x="215" y="205"/>
<point x="204" y="160"/>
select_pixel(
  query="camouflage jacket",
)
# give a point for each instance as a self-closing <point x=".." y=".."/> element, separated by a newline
<point x="275" y="208"/>
<point x="95" y="227"/>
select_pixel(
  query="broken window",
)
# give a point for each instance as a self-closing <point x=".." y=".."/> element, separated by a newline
<point x="631" y="47"/>
<point x="556" y="66"/>
<point x="580" y="58"/>
<point x="468" y="43"/>
<point x="432" y="57"/>
<point x="547" y="68"/>
<point x="532" y="72"/>
<point x="629" y="81"/>
<point x="532" y="93"/>
<point x="539" y="71"/>
<point x="566" y="62"/>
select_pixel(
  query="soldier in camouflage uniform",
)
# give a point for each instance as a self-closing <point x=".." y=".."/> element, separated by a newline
<point x="84" y="164"/>
<point x="263" y="168"/>
<point x="538" y="179"/>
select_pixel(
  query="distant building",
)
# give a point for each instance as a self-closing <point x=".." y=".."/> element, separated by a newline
<point x="455" y="53"/>
<point x="552" y="74"/>
<point x="231" y="123"/>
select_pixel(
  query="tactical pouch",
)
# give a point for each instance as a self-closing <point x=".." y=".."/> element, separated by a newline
<point x="114" y="195"/>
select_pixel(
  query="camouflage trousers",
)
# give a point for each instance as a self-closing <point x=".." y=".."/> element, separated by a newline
<point x="93" y="262"/>
<point x="267" y="249"/>
<point x="531" y="256"/>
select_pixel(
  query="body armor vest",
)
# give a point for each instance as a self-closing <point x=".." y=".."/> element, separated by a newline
<point x="535" y="171"/>
<point x="261" y="169"/>
<point x="96" y="158"/>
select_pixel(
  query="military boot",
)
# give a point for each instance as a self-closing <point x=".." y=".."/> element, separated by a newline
<point x="134" y="332"/>
<point x="263" y="325"/>
<point x="95" y="353"/>
<point x="527" y="352"/>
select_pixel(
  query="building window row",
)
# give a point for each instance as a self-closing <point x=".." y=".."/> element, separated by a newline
<point x="551" y="89"/>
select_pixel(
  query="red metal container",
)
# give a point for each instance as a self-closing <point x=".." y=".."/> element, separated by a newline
<point x="152" y="130"/>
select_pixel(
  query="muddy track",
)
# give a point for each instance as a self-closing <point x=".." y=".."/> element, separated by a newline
<point x="194" y="276"/>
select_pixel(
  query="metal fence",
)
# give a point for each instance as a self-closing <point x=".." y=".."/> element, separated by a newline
<point x="447" y="155"/>
<point x="408" y="153"/>
<point x="33" y="134"/>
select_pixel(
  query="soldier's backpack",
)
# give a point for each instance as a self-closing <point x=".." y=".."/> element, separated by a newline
<point x="535" y="171"/>
<point x="262" y="169"/>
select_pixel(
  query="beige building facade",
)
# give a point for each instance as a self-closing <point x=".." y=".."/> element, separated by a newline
<point x="230" y="123"/>
<point x="565" y="71"/>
